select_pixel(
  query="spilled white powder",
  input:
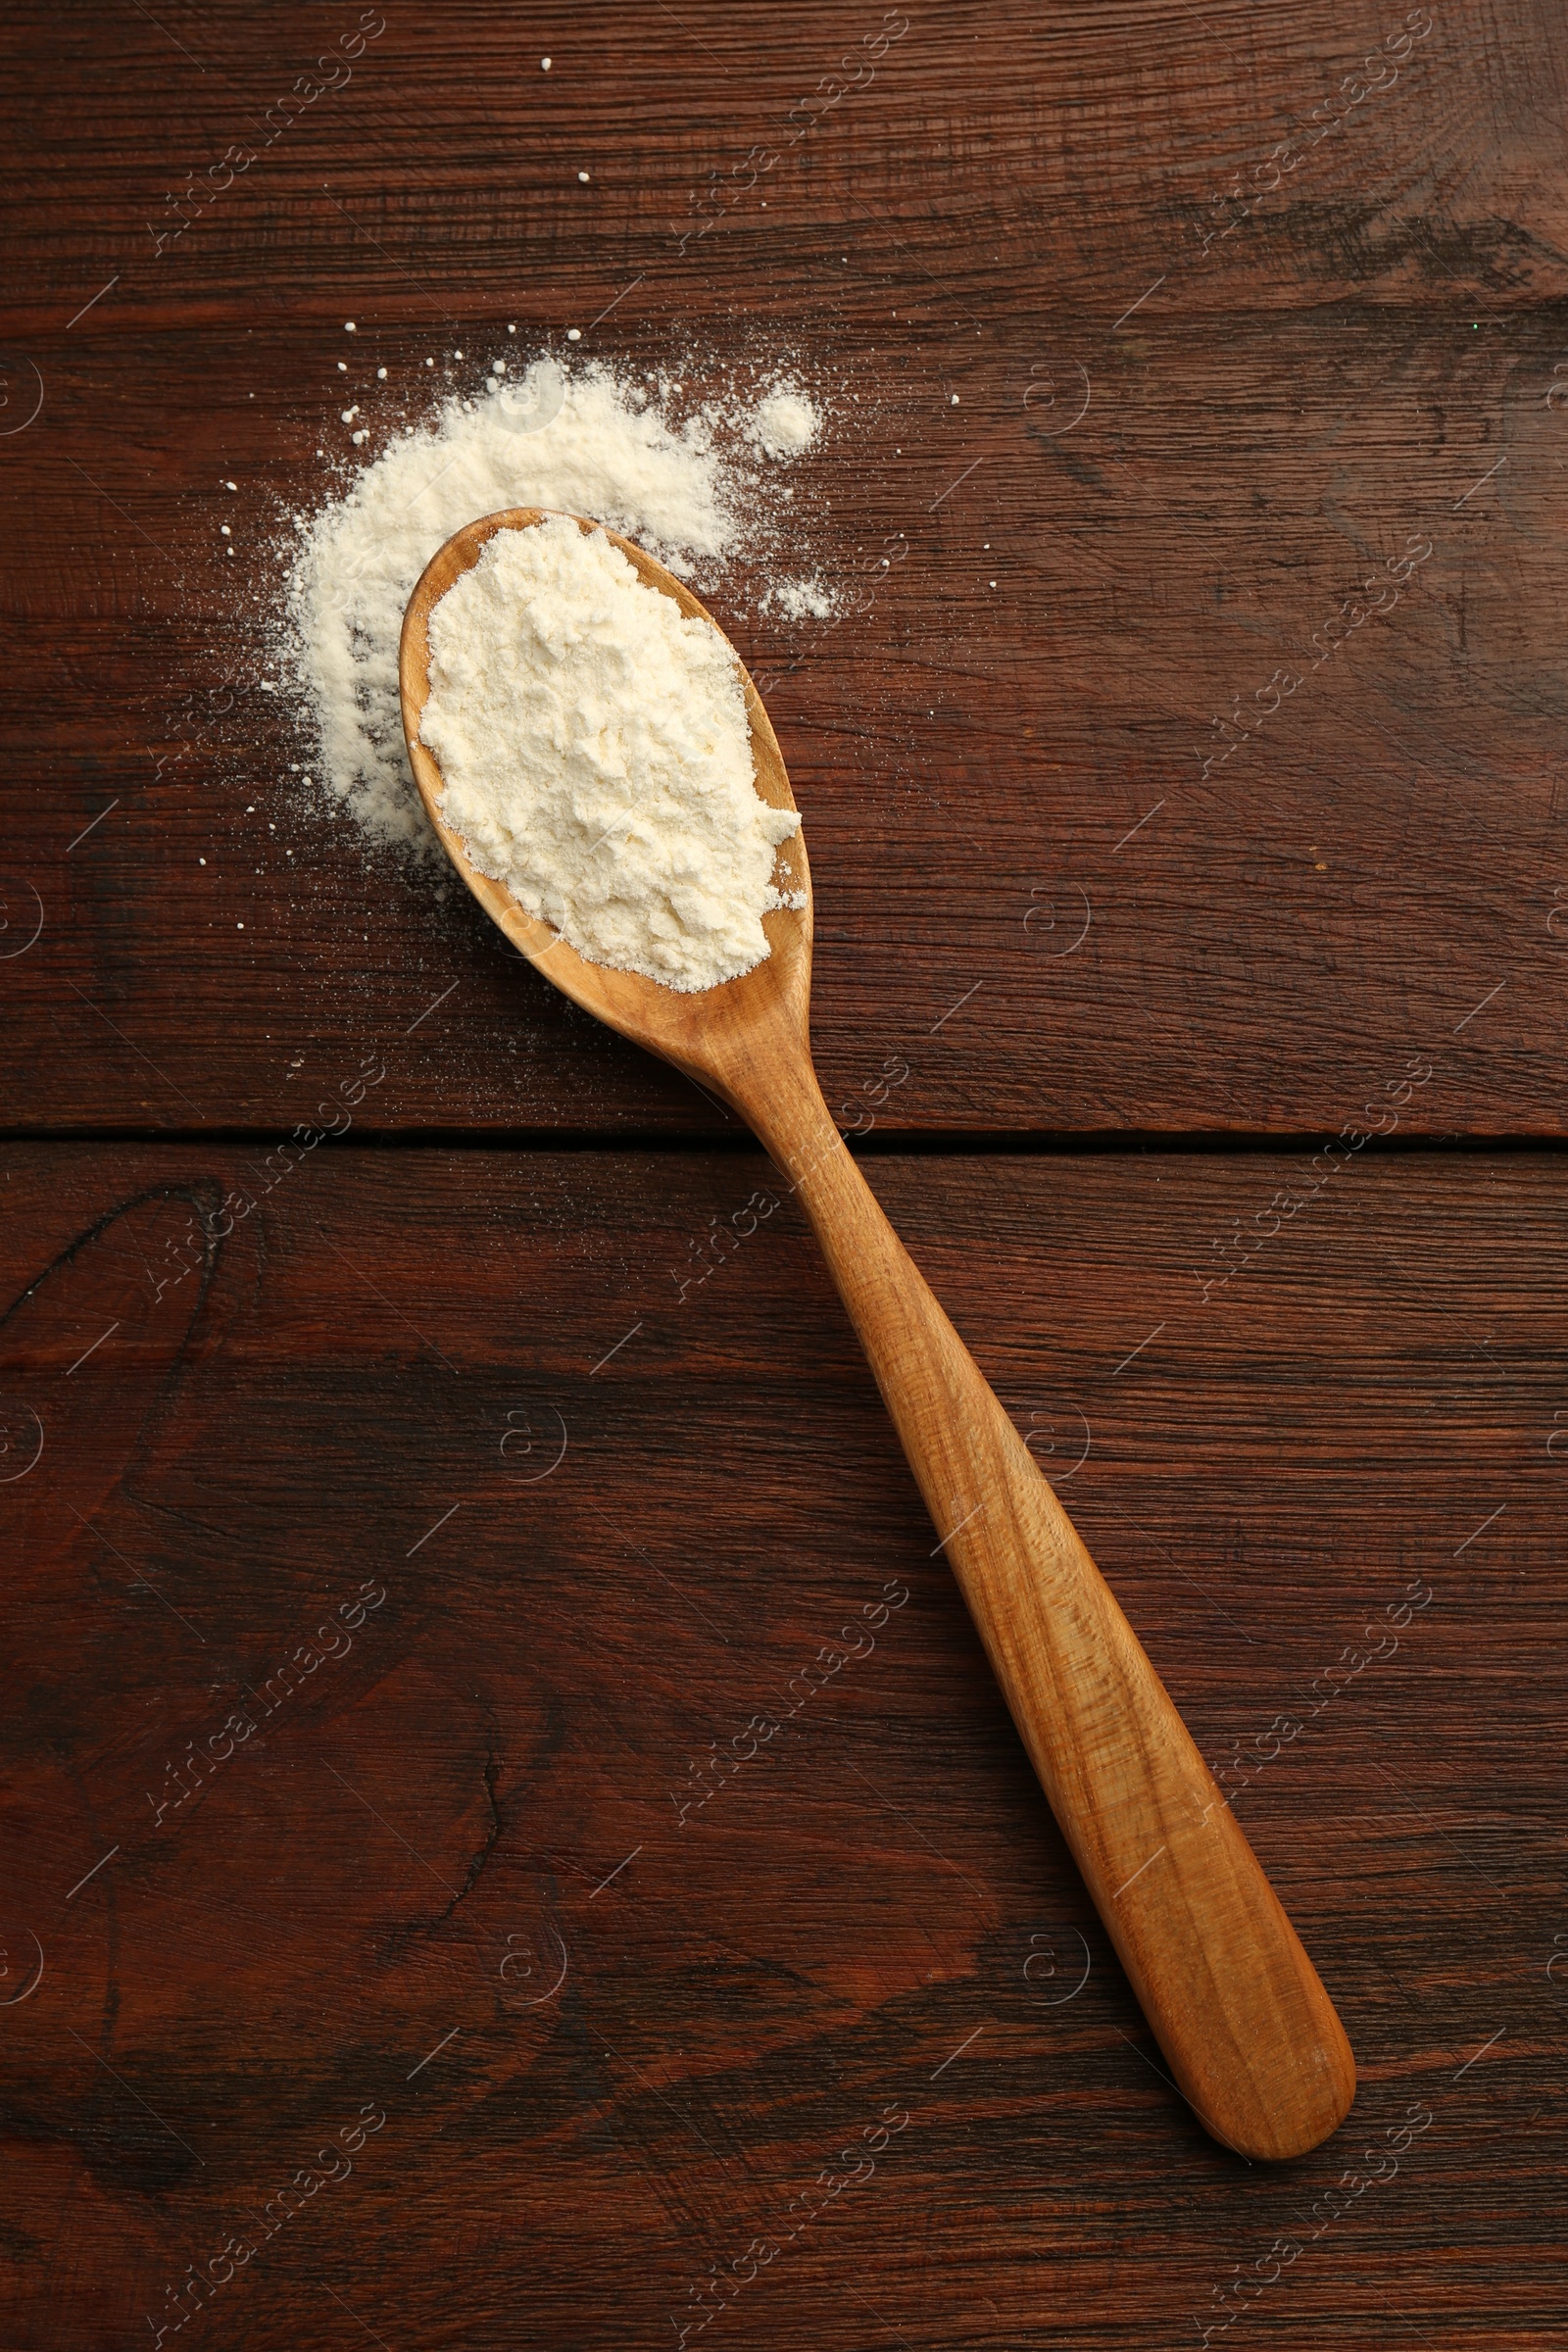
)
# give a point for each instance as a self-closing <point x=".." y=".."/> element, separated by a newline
<point x="804" y="600"/>
<point x="596" y="759"/>
<point x="786" y="423"/>
<point x="588" y="442"/>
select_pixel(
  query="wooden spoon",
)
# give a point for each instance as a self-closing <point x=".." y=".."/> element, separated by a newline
<point x="1252" y="2036"/>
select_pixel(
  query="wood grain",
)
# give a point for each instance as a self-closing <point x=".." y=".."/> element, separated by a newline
<point x="1285" y="1392"/>
<point x="874" y="1911"/>
<point x="1026" y="885"/>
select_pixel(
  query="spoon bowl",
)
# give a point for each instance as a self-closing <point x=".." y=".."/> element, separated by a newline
<point x="1252" y="2039"/>
<point x="707" y="1035"/>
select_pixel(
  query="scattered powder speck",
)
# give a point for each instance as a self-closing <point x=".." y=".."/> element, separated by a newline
<point x="786" y="423"/>
<point x="595" y="757"/>
<point x="697" y="486"/>
<point x="804" y="599"/>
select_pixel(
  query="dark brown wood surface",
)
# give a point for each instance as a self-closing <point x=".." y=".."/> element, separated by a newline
<point x="383" y="1403"/>
<point x="397" y="1552"/>
<point x="1295" y="393"/>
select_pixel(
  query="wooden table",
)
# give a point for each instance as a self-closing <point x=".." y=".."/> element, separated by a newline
<point x="500" y="1793"/>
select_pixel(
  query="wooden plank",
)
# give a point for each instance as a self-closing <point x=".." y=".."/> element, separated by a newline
<point x="1361" y="364"/>
<point x="479" y="1540"/>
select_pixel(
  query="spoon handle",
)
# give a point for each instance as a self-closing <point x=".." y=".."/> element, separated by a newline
<point x="1252" y="2036"/>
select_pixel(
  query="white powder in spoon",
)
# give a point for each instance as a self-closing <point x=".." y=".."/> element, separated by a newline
<point x="596" y="759"/>
<point x="588" y="441"/>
